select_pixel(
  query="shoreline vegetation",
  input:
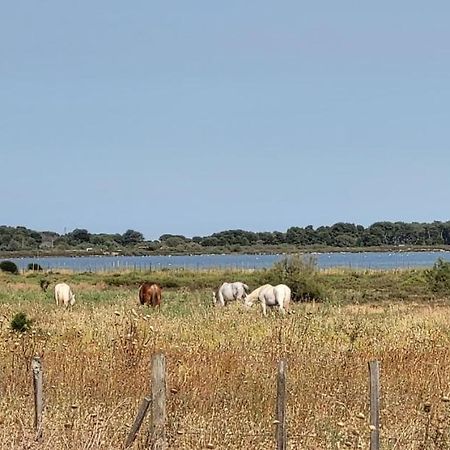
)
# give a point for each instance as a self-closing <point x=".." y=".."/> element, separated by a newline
<point x="292" y="250"/>
<point x="341" y="237"/>
<point x="300" y="273"/>
<point x="331" y="286"/>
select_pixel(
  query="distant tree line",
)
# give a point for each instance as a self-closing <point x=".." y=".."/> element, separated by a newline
<point x="340" y="235"/>
<point x="21" y="238"/>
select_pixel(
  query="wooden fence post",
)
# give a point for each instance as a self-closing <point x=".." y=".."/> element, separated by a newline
<point x="36" y="368"/>
<point x="159" y="416"/>
<point x="281" y="406"/>
<point x="374" y="370"/>
<point x="143" y="408"/>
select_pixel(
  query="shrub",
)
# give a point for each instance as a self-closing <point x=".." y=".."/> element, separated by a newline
<point x="438" y="277"/>
<point x="8" y="266"/>
<point x="300" y="274"/>
<point x="34" y="267"/>
<point x="44" y="284"/>
<point x="20" y="322"/>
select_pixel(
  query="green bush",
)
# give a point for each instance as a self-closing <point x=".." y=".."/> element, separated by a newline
<point x="438" y="277"/>
<point x="44" y="284"/>
<point x="8" y="266"/>
<point x="300" y="274"/>
<point x="21" y="323"/>
<point x="34" y="267"/>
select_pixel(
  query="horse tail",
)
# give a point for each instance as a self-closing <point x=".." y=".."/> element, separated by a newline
<point x="155" y="291"/>
<point x="221" y="299"/>
<point x="246" y="288"/>
<point x="287" y="296"/>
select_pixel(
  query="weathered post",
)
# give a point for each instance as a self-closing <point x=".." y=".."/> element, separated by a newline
<point x="143" y="408"/>
<point x="281" y="406"/>
<point x="36" y="368"/>
<point x="374" y="370"/>
<point x="159" y="417"/>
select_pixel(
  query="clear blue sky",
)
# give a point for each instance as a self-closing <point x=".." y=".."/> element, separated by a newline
<point x="195" y="117"/>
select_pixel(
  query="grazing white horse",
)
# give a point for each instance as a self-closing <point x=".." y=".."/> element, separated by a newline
<point x="228" y="292"/>
<point x="254" y="295"/>
<point x="268" y="295"/>
<point x="64" y="295"/>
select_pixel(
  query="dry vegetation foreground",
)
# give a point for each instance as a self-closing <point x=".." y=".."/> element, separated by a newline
<point x="221" y="369"/>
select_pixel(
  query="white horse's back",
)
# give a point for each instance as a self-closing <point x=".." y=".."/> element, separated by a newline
<point x="271" y="296"/>
<point x="254" y="295"/>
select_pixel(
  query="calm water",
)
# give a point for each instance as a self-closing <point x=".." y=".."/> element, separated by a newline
<point x="372" y="260"/>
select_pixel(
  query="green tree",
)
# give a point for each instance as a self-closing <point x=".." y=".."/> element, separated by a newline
<point x="131" y="237"/>
<point x="179" y="237"/>
<point x="78" y="236"/>
<point x="174" y="241"/>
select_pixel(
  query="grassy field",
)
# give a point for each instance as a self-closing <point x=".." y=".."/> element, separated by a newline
<point x="222" y="362"/>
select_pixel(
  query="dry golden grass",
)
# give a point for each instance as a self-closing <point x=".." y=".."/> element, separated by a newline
<point x="221" y="371"/>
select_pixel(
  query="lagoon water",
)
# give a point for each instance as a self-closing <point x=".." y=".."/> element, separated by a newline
<point x="370" y="260"/>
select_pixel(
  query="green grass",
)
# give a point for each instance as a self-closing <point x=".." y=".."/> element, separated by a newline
<point x="341" y="285"/>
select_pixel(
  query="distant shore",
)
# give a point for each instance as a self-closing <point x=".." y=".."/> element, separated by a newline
<point x="244" y="250"/>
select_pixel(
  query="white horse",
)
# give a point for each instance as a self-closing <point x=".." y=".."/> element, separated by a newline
<point x="268" y="295"/>
<point x="64" y="295"/>
<point x="254" y="295"/>
<point x="228" y="292"/>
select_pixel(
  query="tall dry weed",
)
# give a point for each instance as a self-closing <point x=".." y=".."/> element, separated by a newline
<point x="221" y="366"/>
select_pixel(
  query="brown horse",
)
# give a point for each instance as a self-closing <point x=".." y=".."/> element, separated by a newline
<point x="150" y="294"/>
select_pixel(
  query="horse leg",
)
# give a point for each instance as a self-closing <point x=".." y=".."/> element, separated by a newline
<point x="280" y="303"/>
<point x="264" y="307"/>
